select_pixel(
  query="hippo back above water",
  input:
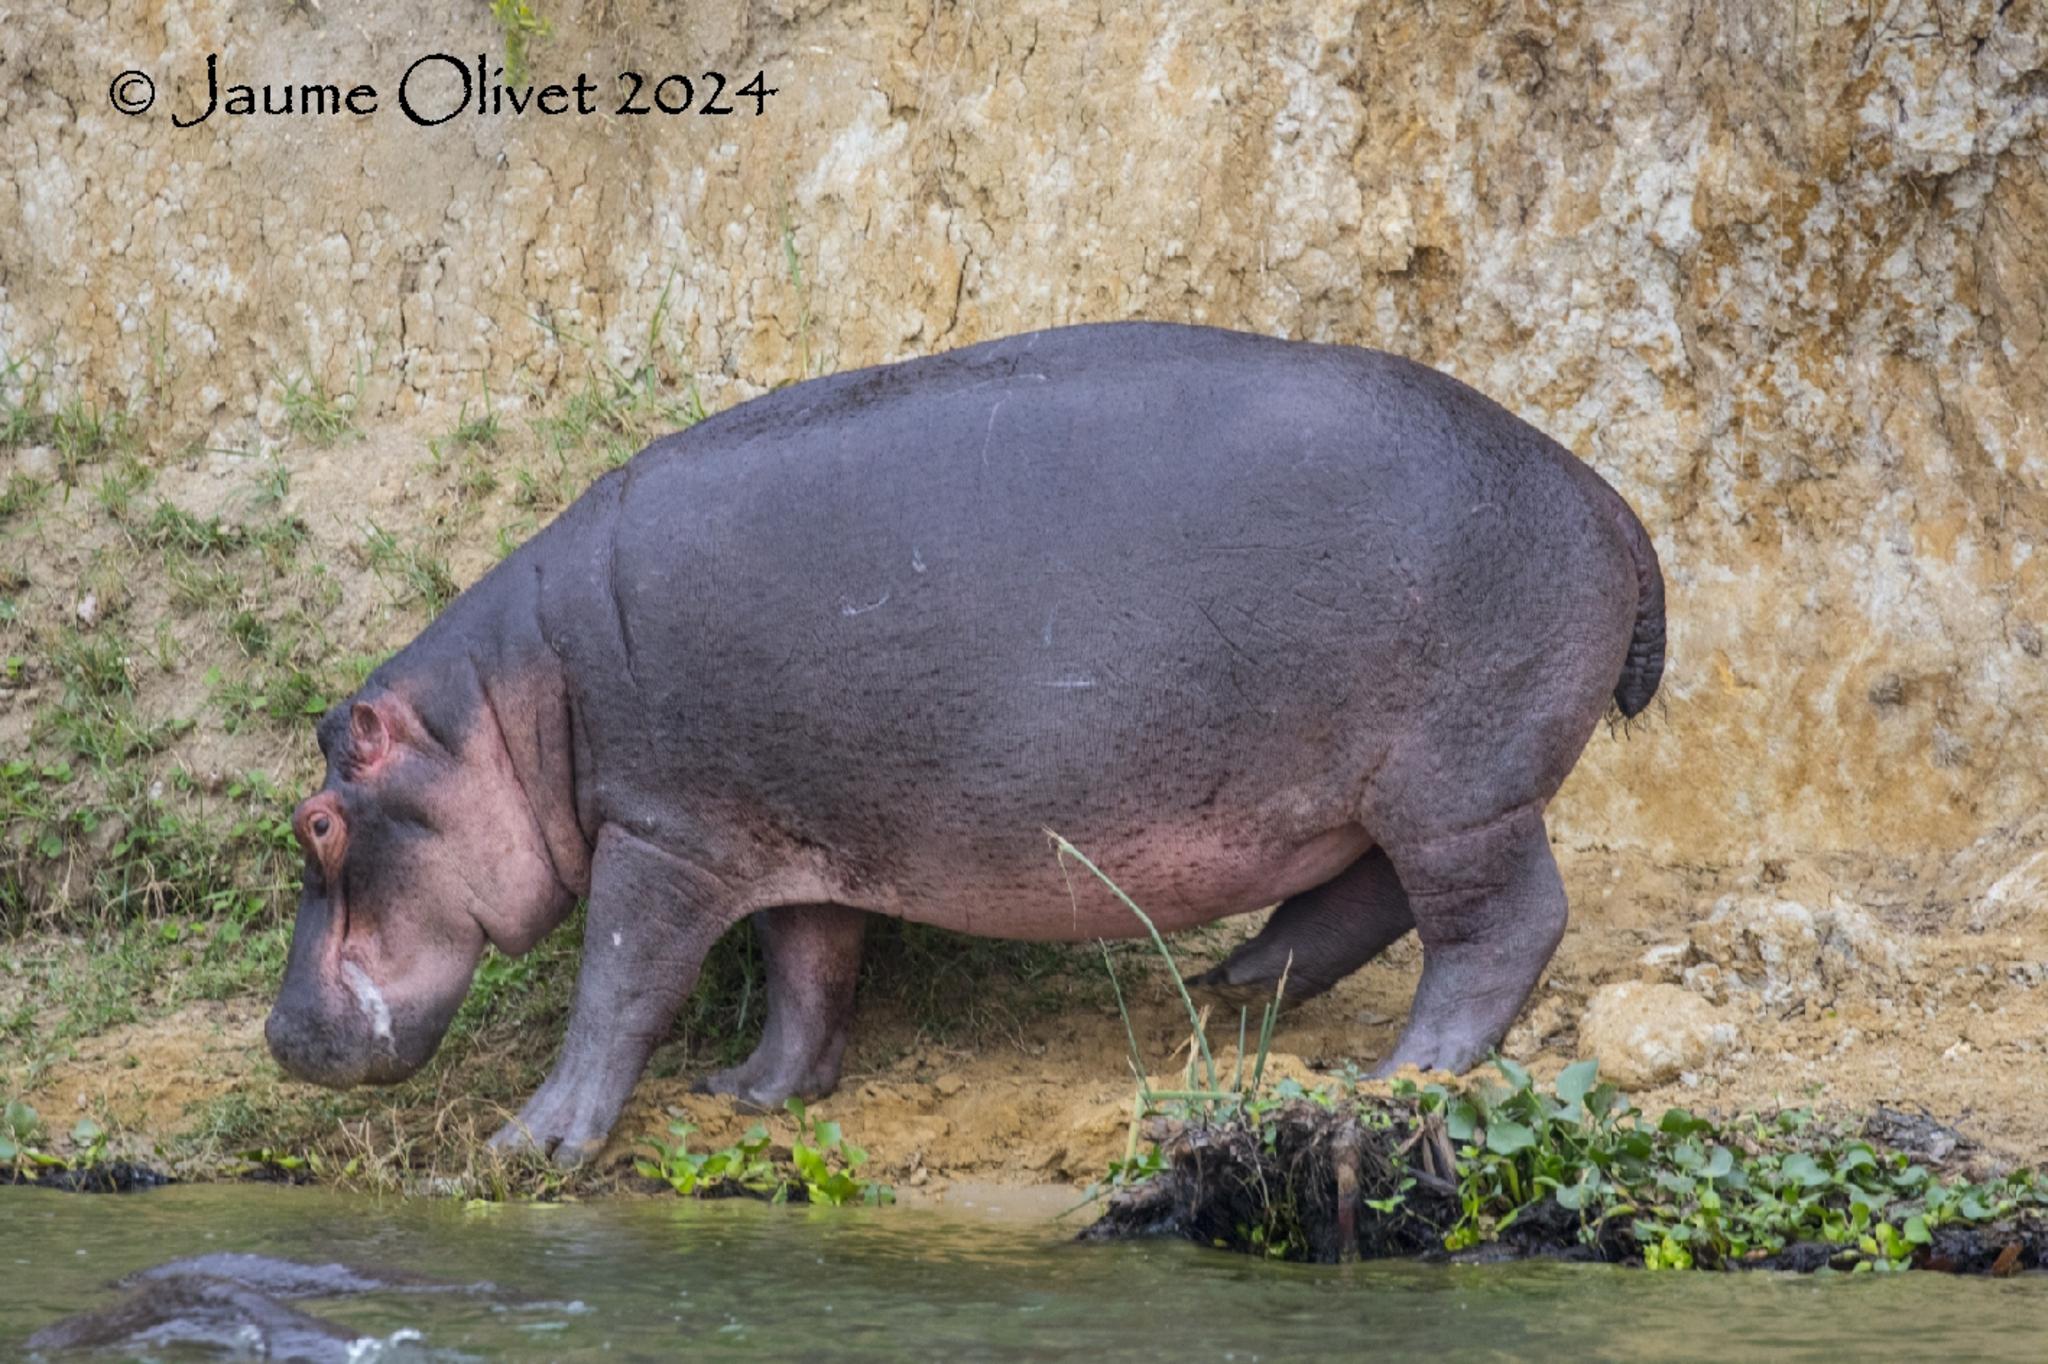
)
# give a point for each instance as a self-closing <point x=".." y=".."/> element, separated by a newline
<point x="1250" y="621"/>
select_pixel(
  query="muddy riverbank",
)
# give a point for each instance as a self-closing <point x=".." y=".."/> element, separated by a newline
<point x="1722" y="990"/>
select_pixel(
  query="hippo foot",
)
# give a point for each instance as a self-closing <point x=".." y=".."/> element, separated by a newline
<point x="755" y="1088"/>
<point x="1216" y="986"/>
<point x="555" y="1126"/>
<point x="1451" y="1059"/>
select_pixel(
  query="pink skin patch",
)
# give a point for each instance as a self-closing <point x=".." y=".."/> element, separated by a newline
<point x="1180" y="879"/>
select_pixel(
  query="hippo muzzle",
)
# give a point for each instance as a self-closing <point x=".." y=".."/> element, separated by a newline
<point x="347" y="1034"/>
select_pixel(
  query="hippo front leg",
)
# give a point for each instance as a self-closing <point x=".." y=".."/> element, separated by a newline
<point x="651" y="921"/>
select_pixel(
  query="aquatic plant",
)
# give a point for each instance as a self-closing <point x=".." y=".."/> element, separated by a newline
<point x="1571" y="1170"/>
<point x="25" y="1157"/>
<point x="1691" y="1192"/>
<point x="823" y="1166"/>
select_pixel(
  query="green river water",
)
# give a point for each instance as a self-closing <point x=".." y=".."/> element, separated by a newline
<point x="664" y="1279"/>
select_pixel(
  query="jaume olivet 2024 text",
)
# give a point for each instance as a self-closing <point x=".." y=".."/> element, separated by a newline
<point x="441" y="88"/>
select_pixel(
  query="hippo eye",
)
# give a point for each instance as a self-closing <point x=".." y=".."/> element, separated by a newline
<point x="321" y="824"/>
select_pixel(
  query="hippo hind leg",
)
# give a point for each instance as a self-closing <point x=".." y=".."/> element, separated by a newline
<point x="1490" y="910"/>
<point x="1316" y="938"/>
<point x="812" y="953"/>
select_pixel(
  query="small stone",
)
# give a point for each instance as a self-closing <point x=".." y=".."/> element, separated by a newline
<point x="948" y="1085"/>
<point x="1649" y="1033"/>
<point x="88" y="610"/>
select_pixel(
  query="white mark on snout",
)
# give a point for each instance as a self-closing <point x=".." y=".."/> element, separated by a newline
<point x="369" y="999"/>
<point x="618" y="940"/>
<point x="1070" y="683"/>
<point x="849" y="609"/>
<point x="917" y="564"/>
<point x="1050" y="611"/>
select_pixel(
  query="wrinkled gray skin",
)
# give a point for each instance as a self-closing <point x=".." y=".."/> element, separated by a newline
<point x="1249" y="621"/>
<point x="230" y="1305"/>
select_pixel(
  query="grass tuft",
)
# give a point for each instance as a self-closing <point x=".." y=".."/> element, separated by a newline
<point x="318" y="413"/>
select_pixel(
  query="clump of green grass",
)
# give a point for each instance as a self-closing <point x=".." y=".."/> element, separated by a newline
<point x="22" y="418"/>
<point x="419" y="575"/>
<point x="318" y="413"/>
<point x="158" y="848"/>
<point x="483" y="429"/>
<point x="22" y="494"/>
<point x="95" y="717"/>
<point x="83" y="432"/>
<point x="120" y="484"/>
<point x="286" y="698"/>
<point x="79" y="430"/>
<point x="273" y="484"/>
<point x="521" y="26"/>
<point x="171" y="527"/>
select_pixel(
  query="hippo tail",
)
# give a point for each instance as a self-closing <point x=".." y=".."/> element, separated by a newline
<point x="1644" y="666"/>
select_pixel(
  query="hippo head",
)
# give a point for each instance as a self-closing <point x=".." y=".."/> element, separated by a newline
<point x="420" y="848"/>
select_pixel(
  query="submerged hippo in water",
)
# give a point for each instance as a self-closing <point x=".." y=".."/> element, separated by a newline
<point x="1249" y="621"/>
<point x="233" y="1305"/>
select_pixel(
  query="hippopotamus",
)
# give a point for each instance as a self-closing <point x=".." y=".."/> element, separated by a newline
<point x="233" y="1305"/>
<point x="1249" y="621"/>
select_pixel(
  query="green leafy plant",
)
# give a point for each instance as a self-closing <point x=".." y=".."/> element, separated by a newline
<point x="22" y="1139"/>
<point x="741" y="1167"/>
<point x="20" y="1129"/>
<point x="824" y="1167"/>
<point x="1693" y="1193"/>
<point x="829" y="1165"/>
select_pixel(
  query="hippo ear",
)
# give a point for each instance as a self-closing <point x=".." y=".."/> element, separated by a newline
<point x="375" y="729"/>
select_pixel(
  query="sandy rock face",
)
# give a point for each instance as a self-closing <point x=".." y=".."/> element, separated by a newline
<point x="1648" y="1034"/>
<point x="1780" y="272"/>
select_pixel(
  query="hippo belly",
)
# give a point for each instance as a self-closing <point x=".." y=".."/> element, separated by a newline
<point x="1181" y="879"/>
